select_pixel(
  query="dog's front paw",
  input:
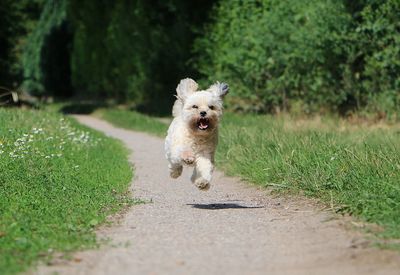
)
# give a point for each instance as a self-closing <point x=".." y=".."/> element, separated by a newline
<point x="202" y="184"/>
<point x="188" y="157"/>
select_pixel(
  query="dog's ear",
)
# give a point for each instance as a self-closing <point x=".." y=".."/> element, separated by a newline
<point x="219" y="89"/>
<point x="185" y="88"/>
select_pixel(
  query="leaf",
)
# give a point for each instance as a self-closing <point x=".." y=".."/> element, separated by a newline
<point x="94" y="222"/>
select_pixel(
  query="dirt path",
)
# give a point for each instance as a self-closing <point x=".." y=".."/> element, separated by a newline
<point x="232" y="229"/>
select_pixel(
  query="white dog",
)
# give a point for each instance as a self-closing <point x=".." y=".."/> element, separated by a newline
<point x="193" y="134"/>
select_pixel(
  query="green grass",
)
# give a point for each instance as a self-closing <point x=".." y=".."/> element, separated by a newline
<point x="133" y="120"/>
<point x="58" y="180"/>
<point x="355" y="169"/>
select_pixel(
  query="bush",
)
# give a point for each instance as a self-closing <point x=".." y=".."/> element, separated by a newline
<point x="326" y="54"/>
<point x="378" y="37"/>
<point x="273" y="51"/>
<point x="43" y="73"/>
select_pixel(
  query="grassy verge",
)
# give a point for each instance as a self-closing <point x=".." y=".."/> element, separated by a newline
<point x="133" y="120"/>
<point x="355" y="169"/>
<point x="58" y="180"/>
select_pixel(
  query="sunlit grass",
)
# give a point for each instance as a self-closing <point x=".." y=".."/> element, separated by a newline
<point x="357" y="169"/>
<point x="134" y="120"/>
<point x="58" y="180"/>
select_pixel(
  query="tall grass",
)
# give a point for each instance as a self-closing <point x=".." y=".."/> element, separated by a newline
<point x="355" y="168"/>
<point x="58" y="180"/>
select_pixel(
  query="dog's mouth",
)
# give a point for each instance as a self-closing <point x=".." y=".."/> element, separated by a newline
<point x="203" y="123"/>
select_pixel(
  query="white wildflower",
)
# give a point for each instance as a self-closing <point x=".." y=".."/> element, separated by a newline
<point x="37" y="130"/>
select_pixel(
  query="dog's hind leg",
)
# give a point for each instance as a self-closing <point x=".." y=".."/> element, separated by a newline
<point x="194" y="175"/>
<point x="175" y="170"/>
<point x="175" y="162"/>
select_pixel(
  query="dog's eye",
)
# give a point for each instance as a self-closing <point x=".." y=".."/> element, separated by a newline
<point x="211" y="107"/>
<point x="195" y="107"/>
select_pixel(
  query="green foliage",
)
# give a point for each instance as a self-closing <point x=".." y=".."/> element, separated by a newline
<point x="313" y="55"/>
<point x="57" y="181"/>
<point x="131" y="50"/>
<point x="272" y="51"/>
<point x="35" y="58"/>
<point x="112" y="49"/>
<point x="125" y="50"/>
<point x="327" y="54"/>
<point x="6" y="40"/>
<point x="17" y="19"/>
<point x="378" y="38"/>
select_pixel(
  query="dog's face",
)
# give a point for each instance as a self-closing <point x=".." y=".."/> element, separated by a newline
<point x="201" y="109"/>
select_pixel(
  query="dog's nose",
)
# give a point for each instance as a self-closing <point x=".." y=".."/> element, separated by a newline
<point x="203" y="113"/>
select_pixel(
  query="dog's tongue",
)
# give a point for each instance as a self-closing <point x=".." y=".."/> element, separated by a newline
<point x="203" y="124"/>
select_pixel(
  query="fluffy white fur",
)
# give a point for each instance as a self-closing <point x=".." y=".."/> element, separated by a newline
<point x="193" y="134"/>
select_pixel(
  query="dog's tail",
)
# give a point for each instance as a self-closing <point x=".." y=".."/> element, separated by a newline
<point x="177" y="108"/>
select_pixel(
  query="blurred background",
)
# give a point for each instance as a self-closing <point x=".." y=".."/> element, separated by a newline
<point x="305" y="56"/>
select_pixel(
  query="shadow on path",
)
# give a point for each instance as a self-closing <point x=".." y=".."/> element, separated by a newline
<point x="218" y="206"/>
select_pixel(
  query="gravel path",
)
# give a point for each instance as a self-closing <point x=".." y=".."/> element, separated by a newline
<point x="234" y="228"/>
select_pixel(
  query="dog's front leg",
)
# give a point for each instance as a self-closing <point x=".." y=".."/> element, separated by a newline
<point x="203" y="172"/>
<point x="179" y="156"/>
